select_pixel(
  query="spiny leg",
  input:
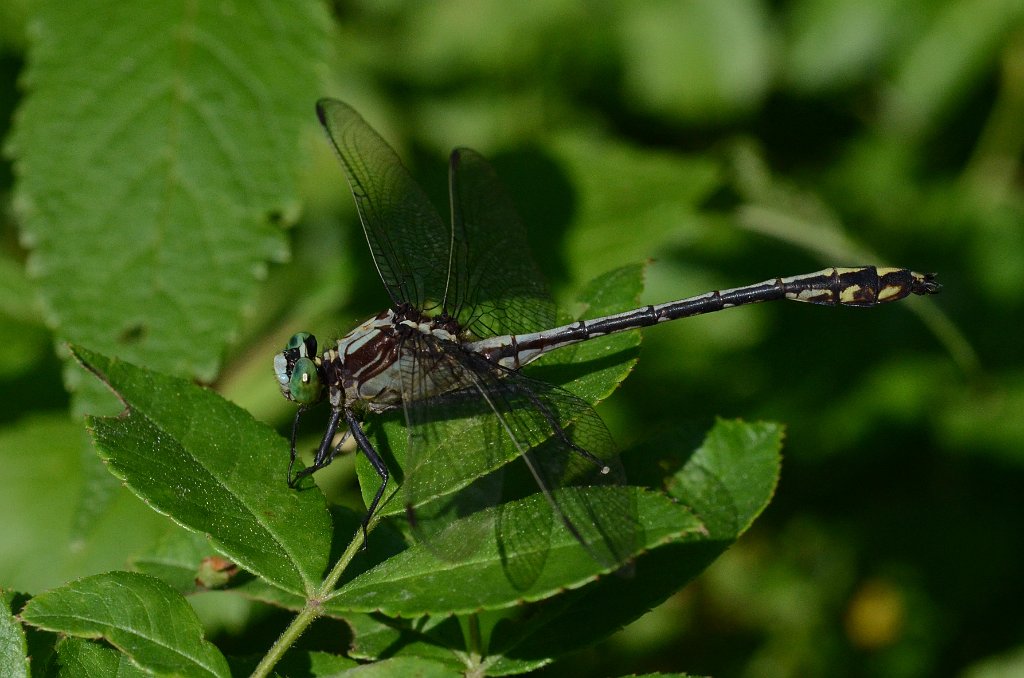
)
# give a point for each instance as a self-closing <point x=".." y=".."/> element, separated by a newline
<point x="326" y="453"/>
<point x="323" y="454"/>
<point x="295" y="432"/>
<point x="378" y="464"/>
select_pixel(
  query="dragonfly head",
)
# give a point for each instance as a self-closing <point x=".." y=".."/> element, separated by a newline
<point x="298" y="370"/>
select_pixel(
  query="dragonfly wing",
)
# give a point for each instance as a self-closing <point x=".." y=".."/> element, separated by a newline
<point x="494" y="286"/>
<point x="406" y="236"/>
<point x="460" y="444"/>
<point x="453" y="452"/>
<point x="569" y="453"/>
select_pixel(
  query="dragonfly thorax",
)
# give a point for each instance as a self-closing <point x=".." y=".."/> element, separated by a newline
<point x="364" y="366"/>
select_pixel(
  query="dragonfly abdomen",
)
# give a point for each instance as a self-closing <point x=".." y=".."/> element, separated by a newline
<point x="861" y="286"/>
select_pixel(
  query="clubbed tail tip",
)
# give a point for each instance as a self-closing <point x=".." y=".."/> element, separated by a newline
<point x="925" y="283"/>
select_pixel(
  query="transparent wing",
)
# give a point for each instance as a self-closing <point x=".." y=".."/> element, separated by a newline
<point x="460" y="444"/>
<point x="408" y="241"/>
<point x="494" y="286"/>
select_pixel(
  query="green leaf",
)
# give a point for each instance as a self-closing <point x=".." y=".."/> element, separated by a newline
<point x="385" y="542"/>
<point x="25" y="340"/>
<point x="13" y="647"/>
<point x="440" y="639"/>
<point x="417" y="582"/>
<point x="732" y="477"/>
<point x="153" y="143"/>
<point x="80" y="658"/>
<point x="832" y="44"/>
<point x="301" y="663"/>
<point x="140" y="615"/>
<point x="214" y="469"/>
<point x="946" y="64"/>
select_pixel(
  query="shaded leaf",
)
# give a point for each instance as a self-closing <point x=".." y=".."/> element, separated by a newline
<point x="630" y="202"/>
<point x="727" y="482"/>
<point x="593" y="369"/>
<point x="138" y="614"/>
<point x="41" y="486"/>
<point x="210" y="466"/>
<point x="938" y="71"/>
<point x="723" y="47"/>
<point x="835" y="43"/>
<point x="297" y="664"/>
<point x="80" y="658"/>
<point x="377" y="637"/>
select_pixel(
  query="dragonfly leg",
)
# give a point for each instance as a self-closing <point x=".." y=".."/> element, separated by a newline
<point x="295" y="433"/>
<point x="324" y="453"/>
<point x="378" y="464"/>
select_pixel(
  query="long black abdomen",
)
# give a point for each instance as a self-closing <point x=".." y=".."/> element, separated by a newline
<point x="862" y="286"/>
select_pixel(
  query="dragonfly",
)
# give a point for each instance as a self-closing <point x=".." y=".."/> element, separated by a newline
<point x="469" y="309"/>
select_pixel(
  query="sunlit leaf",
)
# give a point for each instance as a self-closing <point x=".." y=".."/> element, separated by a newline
<point x="417" y="582"/>
<point x="732" y="477"/>
<point x="145" y="196"/>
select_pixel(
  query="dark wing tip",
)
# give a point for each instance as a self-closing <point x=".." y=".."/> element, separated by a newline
<point x="321" y="109"/>
<point x="336" y="113"/>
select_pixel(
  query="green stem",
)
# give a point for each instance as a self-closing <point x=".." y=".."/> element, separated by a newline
<point x="475" y="649"/>
<point x="287" y="639"/>
<point x="313" y="608"/>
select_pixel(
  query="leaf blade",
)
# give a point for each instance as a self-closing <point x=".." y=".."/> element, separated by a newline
<point x="139" y="614"/>
<point x="734" y="455"/>
<point x="173" y="448"/>
<point x="416" y="582"/>
<point x="164" y="169"/>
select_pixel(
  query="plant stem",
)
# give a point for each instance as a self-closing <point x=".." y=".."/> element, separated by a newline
<point x="476" y="652"/>
<point x="287" y="639"/>
<point x="313" y="608"/>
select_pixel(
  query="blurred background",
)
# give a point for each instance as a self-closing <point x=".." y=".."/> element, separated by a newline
<point x="725" y="142"/>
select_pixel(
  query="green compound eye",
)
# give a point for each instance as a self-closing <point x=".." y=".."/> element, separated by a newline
<point x="304" y="384"/>
<point x="305" y="342"/>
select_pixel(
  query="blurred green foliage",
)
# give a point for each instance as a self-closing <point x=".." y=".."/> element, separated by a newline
<point x="728" y="141"/>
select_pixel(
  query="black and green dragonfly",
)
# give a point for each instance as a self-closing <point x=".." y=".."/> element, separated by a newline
<point x="468" y="310"/>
